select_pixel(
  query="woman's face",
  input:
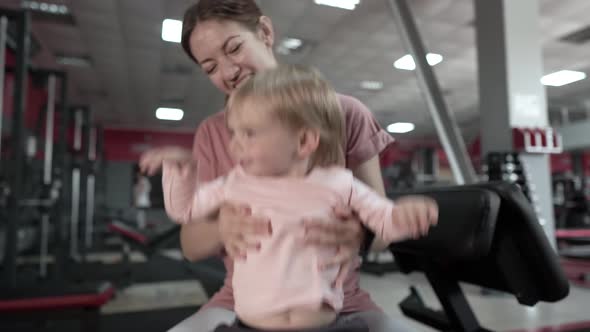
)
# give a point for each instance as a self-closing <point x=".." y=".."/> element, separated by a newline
<point x="229" y="53"/>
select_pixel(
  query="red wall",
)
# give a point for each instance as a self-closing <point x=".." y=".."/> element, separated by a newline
<point x="396" y="151"/>
<point x="36" y="97"/>
<point x="8" y="86"/>
<point x="128" y="144"/>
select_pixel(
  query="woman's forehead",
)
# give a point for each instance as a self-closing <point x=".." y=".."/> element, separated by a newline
<point x="210" y="35"/>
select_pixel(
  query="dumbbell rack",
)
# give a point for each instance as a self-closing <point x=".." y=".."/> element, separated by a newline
<point x="520" y="169"/>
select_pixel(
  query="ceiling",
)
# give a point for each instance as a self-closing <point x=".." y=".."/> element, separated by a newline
<point x="133" y="71"/>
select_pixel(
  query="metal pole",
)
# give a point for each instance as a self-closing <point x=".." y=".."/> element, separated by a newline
<point x="18" y="157"/>
<point x="61" y="157"/>
<point x="49" y="124"/>
<point x="3" y="35"/>
<point x="565" y="115"/>
<point x="77" y="130"/>
<point x="47" y="172"/>
<point x="44" y="244"/>
<point x="75" y="213"/>
<point x="90" y="185"/>
<point x="76" y="170"/>
<point x="446" y="127"/>
<point x="89" y="210"/>
<point x="92" y="142"/>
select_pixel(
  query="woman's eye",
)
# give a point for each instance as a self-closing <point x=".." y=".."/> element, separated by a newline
<point x="210" y="70"/>
<point x="235" y="48"/>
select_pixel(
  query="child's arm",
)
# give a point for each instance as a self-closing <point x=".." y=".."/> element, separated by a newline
<point x="407" y="218"/>
<point x="184" y="200"/>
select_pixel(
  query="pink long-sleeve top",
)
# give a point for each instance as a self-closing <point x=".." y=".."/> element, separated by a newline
<point x="284" y="274"/>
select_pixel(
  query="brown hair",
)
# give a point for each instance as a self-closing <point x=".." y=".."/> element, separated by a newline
<point x="300" y="98"/>
<point x="245" y="12"/>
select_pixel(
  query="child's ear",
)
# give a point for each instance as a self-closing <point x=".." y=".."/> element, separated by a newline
<point x="309" y="140"/>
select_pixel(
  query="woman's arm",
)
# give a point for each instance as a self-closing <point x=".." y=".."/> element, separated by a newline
<point x="234" y="229"/>
<point x="369" y="172"/>
<point x="201" y="239"/>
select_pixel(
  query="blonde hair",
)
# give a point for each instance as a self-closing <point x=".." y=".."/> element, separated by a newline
<point x="301" y="99"/>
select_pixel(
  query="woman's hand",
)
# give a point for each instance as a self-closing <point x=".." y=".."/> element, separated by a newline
<point x="239" y="231"/>
<point x="151" y="161"/>
<point x="346" y="236"/>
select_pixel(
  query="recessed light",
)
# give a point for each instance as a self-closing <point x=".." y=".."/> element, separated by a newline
<point x="372" y="85"/>
<point x="400" y="127"/>
<point x="344" y="4"/>
<point x="407" y="61"/>
<point x="562" y="77"/>
<point x="167" y="113"/>
<point x="73" y="60"/>
<point x="289" y="45"/>
<point x="171" y="30"/>
<point x="51" y="8"/>
<point x="292" y="43"/>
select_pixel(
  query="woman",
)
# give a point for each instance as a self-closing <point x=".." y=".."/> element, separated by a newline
<point x="231" y="40"/>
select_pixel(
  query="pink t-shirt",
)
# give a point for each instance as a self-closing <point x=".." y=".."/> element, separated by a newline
<point x="284" y="274"/>
<point x="364" y="140"/>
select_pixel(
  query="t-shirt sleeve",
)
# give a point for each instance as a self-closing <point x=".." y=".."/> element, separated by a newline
<point x="364" y="136"/>
<point x="203" y="154"/>
<point x="376" y="212"/>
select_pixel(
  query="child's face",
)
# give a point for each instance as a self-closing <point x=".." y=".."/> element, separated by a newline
<point x="260" y="143"/>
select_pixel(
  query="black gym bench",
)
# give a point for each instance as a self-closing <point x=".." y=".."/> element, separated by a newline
<point x="145" y="241"/>
<point x="573" y="236"/>
<point x="575" y="252"/>
<point x="210" y="272"/>
<point x="488" y="235"/>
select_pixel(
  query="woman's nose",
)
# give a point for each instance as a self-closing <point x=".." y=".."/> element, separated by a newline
<point x="231" y="72"/>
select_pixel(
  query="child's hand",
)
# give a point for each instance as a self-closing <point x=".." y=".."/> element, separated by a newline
<point x="151" y="161"/>
<point x="416" y="214"/>
<point x="184" y="168"/>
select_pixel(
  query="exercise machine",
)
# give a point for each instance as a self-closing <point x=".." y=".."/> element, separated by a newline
<point x="38" y="301"/>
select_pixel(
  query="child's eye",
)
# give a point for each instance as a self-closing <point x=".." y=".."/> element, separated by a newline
<point x="249" y="133"/>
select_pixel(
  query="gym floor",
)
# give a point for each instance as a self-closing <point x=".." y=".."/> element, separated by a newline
<point x="164" y="290"/>
<point x="153" y="306"/>
<point x="495" y="311"/>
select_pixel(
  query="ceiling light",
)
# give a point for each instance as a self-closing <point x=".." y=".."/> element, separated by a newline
<point x="171" y="30"/>
<point x="289" y="45"/>
<point x="562" y="77"/>
<point x="344" y="4"/>
<point x="407" y="61"/>
<point x="292" y="43"/>
<point x="400" y="127"/>
<point x="166" y="113"/>
<point x="372" y="85"/>
<point x="73" y="60"/>
<point x="45" y="7"/>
